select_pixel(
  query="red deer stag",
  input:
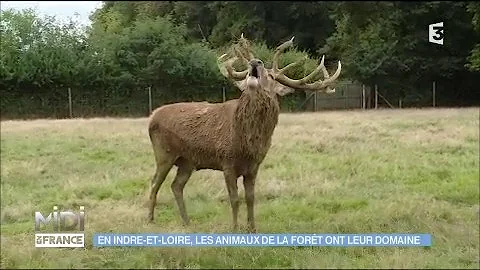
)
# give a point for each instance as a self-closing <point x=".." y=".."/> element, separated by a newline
<point x="233" y="137"/>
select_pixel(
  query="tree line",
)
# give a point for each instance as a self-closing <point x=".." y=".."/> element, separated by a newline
<point x="172" y="47"/>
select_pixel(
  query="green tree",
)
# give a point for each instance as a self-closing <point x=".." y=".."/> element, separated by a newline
<point x="39" y="59"/>
<point x="221" y="22"/>
<point x="386" y="43"/>
<point x="155" y="52"/>
<point x="474" y="58"/>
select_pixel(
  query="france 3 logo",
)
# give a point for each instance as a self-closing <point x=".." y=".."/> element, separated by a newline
<point x="436" y="33"/>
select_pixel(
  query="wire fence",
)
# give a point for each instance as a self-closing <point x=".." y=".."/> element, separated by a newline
<point x="72" y="103"/>
<point x="351" y="95"/>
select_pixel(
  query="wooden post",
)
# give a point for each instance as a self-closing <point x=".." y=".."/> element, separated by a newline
<point x="376" y="96"/>
<point x="433" y="93"/>
<point x="150" y="98"/>
<point x="363" y="96"/>
<point x="315" y="101"/>
<point x="400" y="103"/>
<point x="70" y="102"/>
<point x="224" y="94"/>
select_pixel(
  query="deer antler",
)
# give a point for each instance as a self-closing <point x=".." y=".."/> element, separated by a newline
<point x="245" y="45"/>
<point x="243" y="52"/>
<point x="228" y="71"/>
<point x="279" y="74"/>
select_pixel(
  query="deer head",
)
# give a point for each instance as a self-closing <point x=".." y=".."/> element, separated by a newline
<point x="274" y="80"/>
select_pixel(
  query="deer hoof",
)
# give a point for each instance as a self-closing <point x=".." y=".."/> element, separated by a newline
<point x="150" y="219"/>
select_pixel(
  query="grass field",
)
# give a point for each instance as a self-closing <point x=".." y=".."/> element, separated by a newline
<point x="392" y="171"/>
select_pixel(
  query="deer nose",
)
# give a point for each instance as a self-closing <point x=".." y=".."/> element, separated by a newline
<point x="255" y="63"/>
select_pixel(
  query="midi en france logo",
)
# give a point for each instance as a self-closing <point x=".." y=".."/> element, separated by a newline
<point x="60" y="229"/>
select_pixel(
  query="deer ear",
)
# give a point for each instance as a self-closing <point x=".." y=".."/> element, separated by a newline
<point x="283" y="90"/>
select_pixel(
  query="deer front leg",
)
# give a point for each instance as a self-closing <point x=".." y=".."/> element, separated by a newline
<point x="231" y="182"/>
<point x="249" y="185"/>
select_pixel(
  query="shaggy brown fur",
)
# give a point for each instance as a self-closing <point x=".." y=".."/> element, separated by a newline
<point x="233" y="137"/>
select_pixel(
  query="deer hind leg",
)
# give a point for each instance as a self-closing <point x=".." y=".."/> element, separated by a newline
<point x="184" y="172"/>
<point x="164" y="164"/>
<point x="231" y="182"/>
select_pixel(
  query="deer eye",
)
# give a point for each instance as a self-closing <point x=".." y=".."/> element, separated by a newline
<point x="260" y="62"/>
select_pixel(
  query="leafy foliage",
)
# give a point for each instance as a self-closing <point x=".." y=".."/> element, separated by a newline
<point x="386" y="43"/>
<point x="474" y="58"/>
<point x="172" y="46"/>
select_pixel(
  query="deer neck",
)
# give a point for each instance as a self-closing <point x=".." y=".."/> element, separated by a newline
<point x="255" y="119"/>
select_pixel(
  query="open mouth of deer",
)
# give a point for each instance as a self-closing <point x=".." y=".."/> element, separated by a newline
<point x="254" y="72"/>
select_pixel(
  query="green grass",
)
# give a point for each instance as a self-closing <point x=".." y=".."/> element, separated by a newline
<point x="388" y="171"/>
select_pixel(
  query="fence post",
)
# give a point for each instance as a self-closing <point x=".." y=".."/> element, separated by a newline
<point x="363" y="96"/>
<point x="400" y="103"/>
<point x="376" y="96"/>
<point x="224" y="94"/>
<point x="433" y="93"/>
<point x="315" y="101"/>
<point x="70" y="102"/>
<point x="150" y="99"/>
